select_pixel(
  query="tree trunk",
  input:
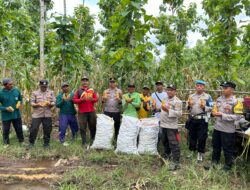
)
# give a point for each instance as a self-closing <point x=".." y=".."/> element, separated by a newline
<point x="64" y="42"/>
<point x="81" y="20"/>
<point x="65" y="8"/>
<point x="42" y="25"/>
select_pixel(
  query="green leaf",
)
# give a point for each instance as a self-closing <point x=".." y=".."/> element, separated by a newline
<point x="136" y="5"/>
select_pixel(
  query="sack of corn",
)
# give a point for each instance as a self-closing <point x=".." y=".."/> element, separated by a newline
<point x="104" y="132"/>
<point x="127" y="137"/>
<point x="148" y="136"/>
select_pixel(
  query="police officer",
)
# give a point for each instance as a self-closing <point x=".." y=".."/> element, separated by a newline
<point x="112" y="100"/>
<point x="200" y="105"/>
<point x="171" y="111"/>
<point x="224" y="129"/>
<point x="42" y="101"/>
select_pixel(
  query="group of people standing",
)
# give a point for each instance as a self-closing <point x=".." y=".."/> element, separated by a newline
<point x="163" y="104"/>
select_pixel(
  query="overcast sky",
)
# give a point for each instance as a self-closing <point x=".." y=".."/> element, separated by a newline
<point x="152" y="8"/>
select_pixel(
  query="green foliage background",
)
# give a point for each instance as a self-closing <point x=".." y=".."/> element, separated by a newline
<point x="73" y="46"/>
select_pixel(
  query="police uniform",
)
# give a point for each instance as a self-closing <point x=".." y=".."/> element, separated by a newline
<point x="224" y="128"/>
<point x="112" y="105"/>
<point x="198" y="127"/>
<point x="41" y="114"/>
<point x="169" y="125"/>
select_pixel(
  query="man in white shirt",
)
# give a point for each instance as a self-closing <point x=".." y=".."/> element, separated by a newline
<point x="157" y="98"/>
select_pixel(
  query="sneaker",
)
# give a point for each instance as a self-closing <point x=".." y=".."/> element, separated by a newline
<point x="200" y="157"/>
<point x="65" y="144"/>
<point x="174" y="166"/>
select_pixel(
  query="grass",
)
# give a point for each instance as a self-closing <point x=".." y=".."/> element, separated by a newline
<point x="107" y="170"/>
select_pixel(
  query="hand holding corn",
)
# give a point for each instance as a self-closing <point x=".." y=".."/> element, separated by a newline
<point x="18" y="105"/>
<point x="9" y="109"/>
<point x="202" y="103"/>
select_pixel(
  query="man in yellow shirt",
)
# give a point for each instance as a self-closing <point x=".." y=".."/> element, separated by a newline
<point x="145" y="103"/>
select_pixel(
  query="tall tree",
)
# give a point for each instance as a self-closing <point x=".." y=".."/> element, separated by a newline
<point x="127" y="48"/>
<point x="42" y="26"/>
<point x="72" y="43"/>
<point x="172" y="32"/>
<point x="222" y="34"/>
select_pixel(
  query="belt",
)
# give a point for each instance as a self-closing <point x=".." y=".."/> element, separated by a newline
<point x="199" y="117"/>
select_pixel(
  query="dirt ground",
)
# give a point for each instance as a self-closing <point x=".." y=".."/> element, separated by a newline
<point x="34" y="172"/>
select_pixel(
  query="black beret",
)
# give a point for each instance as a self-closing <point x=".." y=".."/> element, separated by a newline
<point x="112" y="79"/>
<point x="159" y="82"/>
<point x="228" y="84"/>
<point x="43" y="82"/>
<point x="172" y="86"/>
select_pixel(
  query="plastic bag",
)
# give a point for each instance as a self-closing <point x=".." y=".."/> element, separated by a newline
<point x="127" y="137"/>
<point x="148" y="136"/>
<point x="104" y="132"/>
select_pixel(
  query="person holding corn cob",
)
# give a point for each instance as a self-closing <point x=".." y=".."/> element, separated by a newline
<point x="131" y="101"/>
<point x="145" y="103"/>
<point x="157" y="98"/>
<point x="64" y="101"/>
<point x="171" y="112"/>
<point x="85" y="97"/>
<point x="226" y="114"/>
<point x="42" y="101"/>
<point x="112" y="100"/>
<point x="200" y="106"/>
<point x="11" y="101"/>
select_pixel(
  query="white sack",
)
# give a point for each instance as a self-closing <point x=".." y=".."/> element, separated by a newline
<point x="104" y="132"/>
<point x="148" y="136"/>
<point x="127" y="137"/>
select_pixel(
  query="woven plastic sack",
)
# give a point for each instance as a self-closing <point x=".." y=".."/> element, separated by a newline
<point x="127" y="137"/>
<point x="104" y="132"/>
<point x="148" y="136"/>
